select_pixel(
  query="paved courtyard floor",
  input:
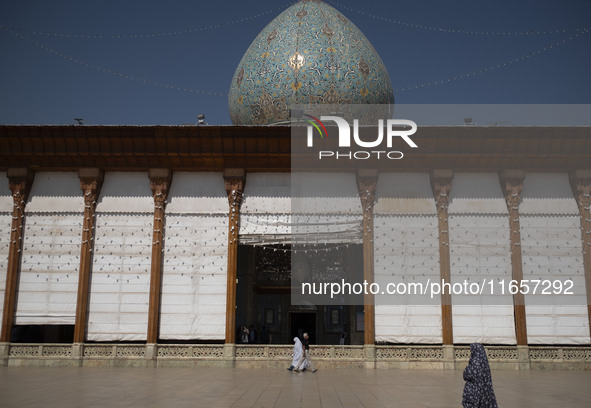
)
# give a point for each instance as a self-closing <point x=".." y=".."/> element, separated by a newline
<point x="25" y="387"/>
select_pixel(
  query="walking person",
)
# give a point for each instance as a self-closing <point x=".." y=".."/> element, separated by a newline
<point x="305" y="361"/>
<point x="298" y="351"/>
<point x="478" y="391"/>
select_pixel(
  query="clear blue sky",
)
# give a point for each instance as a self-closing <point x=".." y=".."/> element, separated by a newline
<point x="40" y="84"/>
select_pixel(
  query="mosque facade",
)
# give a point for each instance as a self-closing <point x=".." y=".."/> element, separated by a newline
<point x="152" y="245"/>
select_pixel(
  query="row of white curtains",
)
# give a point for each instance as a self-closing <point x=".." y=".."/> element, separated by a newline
<point x="195" y="251"/>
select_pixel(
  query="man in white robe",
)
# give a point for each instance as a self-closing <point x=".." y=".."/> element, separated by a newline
<point x="305" y="360"/>
<point x="298" y="352"/>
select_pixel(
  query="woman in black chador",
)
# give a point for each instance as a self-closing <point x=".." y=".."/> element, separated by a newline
<point x="478" y="391"/>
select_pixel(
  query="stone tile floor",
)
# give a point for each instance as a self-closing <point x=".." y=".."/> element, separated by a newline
<point x="46" y="387"/>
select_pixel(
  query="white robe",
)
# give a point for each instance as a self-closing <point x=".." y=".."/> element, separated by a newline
<point x="297" y="351"/>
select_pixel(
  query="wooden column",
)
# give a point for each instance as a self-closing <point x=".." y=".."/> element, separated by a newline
<point x="91" y="180"/>
<point x="441" y="182"/>
<point x="160" y="180"/>
<point x="512" y="185"/>
<point x="366" y="184"/>
<point x="581" y="184"/>
<point x="19" y="182"/>
<point x="234" y="180"/>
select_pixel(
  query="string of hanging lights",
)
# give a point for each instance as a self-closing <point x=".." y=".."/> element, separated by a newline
<point x="579" y="32"/>
<point x="496" y="67"/>
<point x="176" y="33"/>
<point x="151" y="35"/>
<point x="438" y="29"/>
<point x="106" y="70"/>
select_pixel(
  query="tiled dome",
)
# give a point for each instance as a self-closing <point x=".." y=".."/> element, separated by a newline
<point x="309" y="54"/>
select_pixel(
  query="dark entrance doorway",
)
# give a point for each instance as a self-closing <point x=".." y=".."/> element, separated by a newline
<point x="303" y="321"/>
<point x="264" y="301"/>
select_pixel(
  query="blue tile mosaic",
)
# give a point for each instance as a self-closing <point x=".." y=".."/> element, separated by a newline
<point x="309" y="54"/>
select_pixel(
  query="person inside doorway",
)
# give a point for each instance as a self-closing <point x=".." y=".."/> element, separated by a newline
<point x="243" y="334"/>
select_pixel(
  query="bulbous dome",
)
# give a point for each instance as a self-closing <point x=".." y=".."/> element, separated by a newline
<point x="309" y="54"/>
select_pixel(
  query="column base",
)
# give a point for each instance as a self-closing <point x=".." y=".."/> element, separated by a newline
<point x="4" y="351"/>
<point x="449" y="359"/>
<point x="369" y="354"/>
<point x="523" y="361"/>
<point x="151" y="354"/>
<point x="230" y="355"/>
<point x="78" y="353"/>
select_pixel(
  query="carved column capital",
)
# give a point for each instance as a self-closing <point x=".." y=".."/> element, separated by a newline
<point x="441" y="183"/>
<point x="160" y="180"/>
<point x="512" y="185"/>
<point x="581" y="184"/>
<point x="20" y="181"/>
<point x="91" y="181"/>
<point x="234" y="180"/>
<point x="367" y="180"/>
